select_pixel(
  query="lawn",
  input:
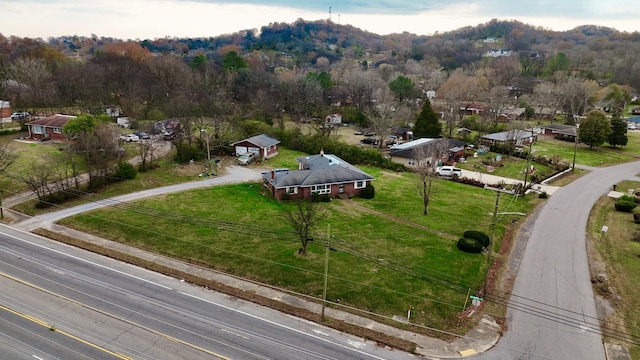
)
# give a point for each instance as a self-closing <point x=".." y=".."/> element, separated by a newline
<point x="390" y="255"/>
<point x="619" y="249"/>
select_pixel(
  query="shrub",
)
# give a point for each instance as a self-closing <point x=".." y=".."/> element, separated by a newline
<point x="468" y="181"/>
<point x="126" y="171"/>
<point x="636" y="218"/>
<point x="470" y="245"/>
<point x="478" y="235"/>
<point x="543" y="195"/>
<point x="368" y="192"/>
<point x="626" y="203"/>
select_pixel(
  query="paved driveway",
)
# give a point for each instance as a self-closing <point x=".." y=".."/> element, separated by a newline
<point x="234" y="174"/>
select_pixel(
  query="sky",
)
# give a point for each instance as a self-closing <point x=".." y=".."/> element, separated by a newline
<point x="153" y="19"/>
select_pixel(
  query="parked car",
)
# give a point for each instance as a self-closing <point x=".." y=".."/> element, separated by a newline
<point x="20" y="115"/>
<point x="449" y="171"/>
<point x="130" y="138"/>
<point x="168" y="136"/>
<point x="369" y="133"/>
<point x="369" y="141"/>
<point x="632" y="126"/>
<point x="247" y="158"/>
<point x="142" y="135"/>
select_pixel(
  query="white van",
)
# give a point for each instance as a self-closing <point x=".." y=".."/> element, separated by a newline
<point x="449" y="171"/>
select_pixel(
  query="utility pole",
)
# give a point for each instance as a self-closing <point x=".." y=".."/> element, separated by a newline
<point x="575" y="149"/>
<point x="493" y="232"/>
<point x="326" y="272"/>
<point x="208" y="151"/>
<point x="526" y="171"/>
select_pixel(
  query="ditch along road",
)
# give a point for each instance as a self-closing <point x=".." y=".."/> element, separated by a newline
<point x="552" y="296"/>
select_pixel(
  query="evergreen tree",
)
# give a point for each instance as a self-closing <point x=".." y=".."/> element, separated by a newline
<point x="232" y="61"/>
<point x="594" y="129"/>
<point x="427" y="124"/>
<point x="618" y="134"/>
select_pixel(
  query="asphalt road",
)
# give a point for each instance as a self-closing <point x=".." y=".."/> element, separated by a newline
<point x="132" y="312"/>
<point x="552" y="310"/>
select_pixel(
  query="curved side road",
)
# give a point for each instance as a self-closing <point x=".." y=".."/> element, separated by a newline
<point x="552" y="309"/>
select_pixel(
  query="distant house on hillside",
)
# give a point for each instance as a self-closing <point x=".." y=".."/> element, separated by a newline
<point x="419" y="152"/>
<point x="48" y="128"/>
<point x="497" y="53"/>
<point x="557" y="131"/>
<point x="511" y="137"/>
<point x="322" y="174"/>
<point x="512" y="113"/>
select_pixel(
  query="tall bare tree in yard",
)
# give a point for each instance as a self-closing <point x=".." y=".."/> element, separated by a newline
<point x="425" y="160"/>
<point x="383" y="116"/>
<point x="304" y="216"/>
<point x="7" y="157"/>
<point x="147" y="150"/>
<point x="95" y="140"/>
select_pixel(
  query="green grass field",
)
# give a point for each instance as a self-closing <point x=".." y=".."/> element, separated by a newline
<point x="619" y="249"/>
<point x="239" y="229"/>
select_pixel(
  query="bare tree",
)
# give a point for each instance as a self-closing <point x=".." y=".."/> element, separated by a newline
<point x="303" y="216"/>
<point x="459" y="92"/>
<point x="147" y="150"/>
<point x="7" y="157"/>
<point x="546" y="94"/>
<point x="33" y="81"/>
<point x="425" y="159"/>
<point x="384" y="115"/>
<point x="578" y="94"/>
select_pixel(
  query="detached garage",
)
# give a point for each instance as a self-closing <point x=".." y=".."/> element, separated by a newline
<point x="265" y="146"/>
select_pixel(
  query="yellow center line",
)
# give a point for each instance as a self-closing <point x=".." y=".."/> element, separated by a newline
<point x="168" y="337"/>
<point x="43" y="323"/>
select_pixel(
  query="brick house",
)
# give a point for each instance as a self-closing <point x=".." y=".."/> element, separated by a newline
<point x="265" y="146"/>
<point x="48" y="128"/>
<point x="324" y="174"/>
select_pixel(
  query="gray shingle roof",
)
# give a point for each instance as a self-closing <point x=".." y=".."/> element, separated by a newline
<point x="56" y="120"/>
<point x="406" y="150"/>
<point x="262" y="141"/>
<point x="317" y="170"/>
<point x="509" y="135"/>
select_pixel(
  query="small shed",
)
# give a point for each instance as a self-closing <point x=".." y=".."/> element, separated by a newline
<point x="265" y="146"/>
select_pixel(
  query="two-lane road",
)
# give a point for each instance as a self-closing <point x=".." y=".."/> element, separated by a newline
<point x="144" y="315"/>
<point x="552" y="311"/>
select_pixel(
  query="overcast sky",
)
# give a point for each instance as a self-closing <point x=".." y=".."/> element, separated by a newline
<point x="151" y="19"/>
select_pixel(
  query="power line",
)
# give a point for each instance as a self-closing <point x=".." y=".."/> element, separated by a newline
<point x="435" y="277"/>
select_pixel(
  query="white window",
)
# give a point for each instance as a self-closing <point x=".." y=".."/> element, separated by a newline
<point x="360" y="184"/>
<point x="411" y="162"/>
<point x="37" y="129"/>
<point x="321" y="189"/>
<point x="341" y="189"/>
<point x="292" y="190"/>
<point x="57" y="130"/>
